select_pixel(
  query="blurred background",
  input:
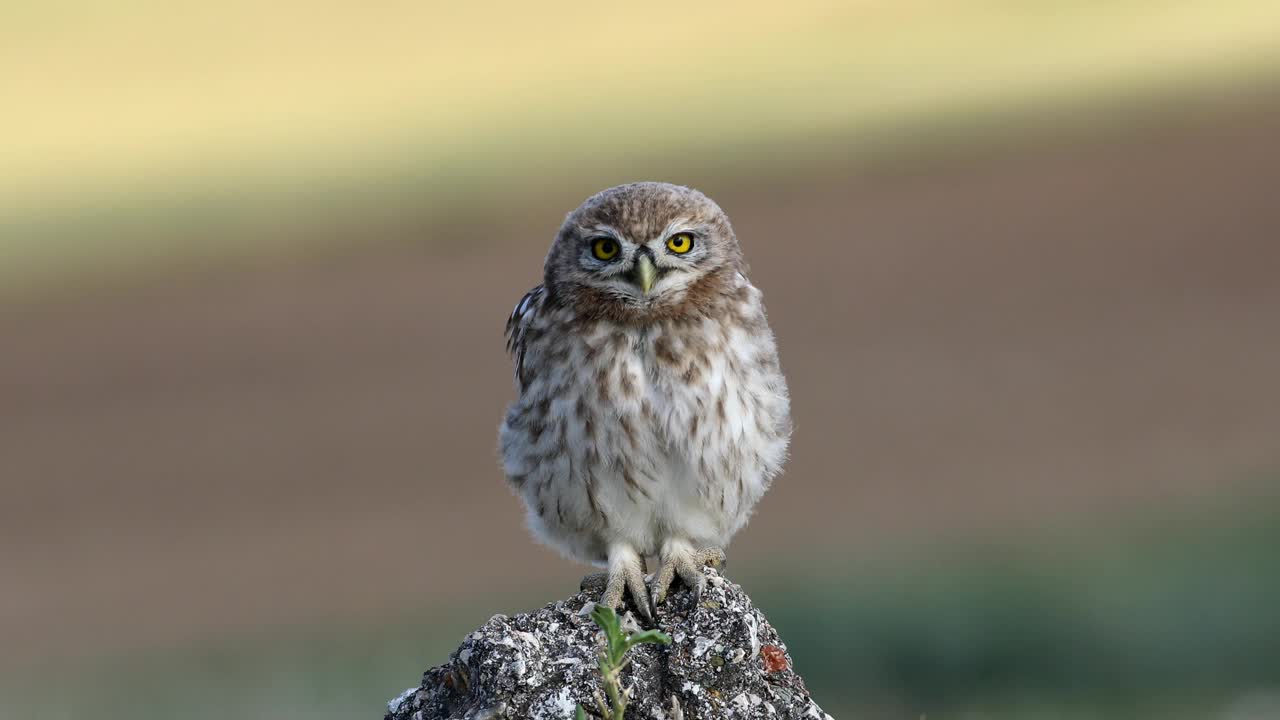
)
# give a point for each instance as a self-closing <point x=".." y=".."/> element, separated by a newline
<point x="1022" y="259"/>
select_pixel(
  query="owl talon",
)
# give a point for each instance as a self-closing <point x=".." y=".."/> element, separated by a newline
<point x="640" y="596"/>
<point x="679" y="559"/>
<point x="626" y="575"/>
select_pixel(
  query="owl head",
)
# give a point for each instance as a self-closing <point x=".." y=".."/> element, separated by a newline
<point x="643" y="252"/>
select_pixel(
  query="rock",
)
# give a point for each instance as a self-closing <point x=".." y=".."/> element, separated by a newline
<point x="725" y="661"/>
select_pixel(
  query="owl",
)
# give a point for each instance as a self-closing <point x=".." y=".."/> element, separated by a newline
<point x="652" y="413"/>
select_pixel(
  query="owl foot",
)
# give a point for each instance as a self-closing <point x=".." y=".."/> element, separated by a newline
<point x="626" y="574"/>
<point x="680" y="559"/>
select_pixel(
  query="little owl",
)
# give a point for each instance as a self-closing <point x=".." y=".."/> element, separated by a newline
<point x="652" y="413"/>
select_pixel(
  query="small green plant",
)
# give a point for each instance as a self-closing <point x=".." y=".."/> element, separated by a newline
<point x="613" y="659"/>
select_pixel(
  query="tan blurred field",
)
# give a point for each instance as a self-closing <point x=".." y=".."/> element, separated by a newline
<point x="1045" y="338"/>
<point x="120" y="115"/>
<point x="255" y="259"/>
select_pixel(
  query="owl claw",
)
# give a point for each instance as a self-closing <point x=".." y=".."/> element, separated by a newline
<point x="679" y="559"/>
<point x="626" y="575"/>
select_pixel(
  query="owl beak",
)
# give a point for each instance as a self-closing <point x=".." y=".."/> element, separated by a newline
<point x="645" y="273"/>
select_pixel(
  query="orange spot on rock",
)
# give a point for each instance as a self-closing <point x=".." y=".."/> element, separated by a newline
<point x="775" y="660"/>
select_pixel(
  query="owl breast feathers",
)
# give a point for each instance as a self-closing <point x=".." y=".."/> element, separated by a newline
<point x="652" y="411"/>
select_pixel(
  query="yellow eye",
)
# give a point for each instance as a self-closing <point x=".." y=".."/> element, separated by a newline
<point x="680" y="243"/>
<point x="605" y="248"/>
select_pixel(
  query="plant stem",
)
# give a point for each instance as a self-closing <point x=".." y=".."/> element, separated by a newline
<point x="612" y="685"/>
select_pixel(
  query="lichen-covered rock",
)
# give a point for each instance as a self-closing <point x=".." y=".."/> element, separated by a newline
<point x="725" y="661"/>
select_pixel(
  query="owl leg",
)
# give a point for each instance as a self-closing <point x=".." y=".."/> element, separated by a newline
<point x="678" y="558"/>
<point x="626" y="573"/>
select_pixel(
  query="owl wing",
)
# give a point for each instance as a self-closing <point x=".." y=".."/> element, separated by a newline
<point x="521" y="318"/>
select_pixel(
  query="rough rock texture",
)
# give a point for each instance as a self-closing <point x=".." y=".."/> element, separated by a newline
<point x="725" y="661"/>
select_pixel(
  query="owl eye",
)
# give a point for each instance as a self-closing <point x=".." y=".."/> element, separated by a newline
<point x="680" y="243"/>
<point x="605" y="248"/>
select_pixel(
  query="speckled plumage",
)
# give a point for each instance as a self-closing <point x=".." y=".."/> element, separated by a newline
<point x="647" y="423"/>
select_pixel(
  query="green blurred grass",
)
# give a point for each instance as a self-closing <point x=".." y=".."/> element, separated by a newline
<point x="1184" y="608"/>
<point x="1173" y="618"/>
<point x="158" y="132"/>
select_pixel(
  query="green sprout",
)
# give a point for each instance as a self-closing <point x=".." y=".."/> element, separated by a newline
<point x="613" y="659"/>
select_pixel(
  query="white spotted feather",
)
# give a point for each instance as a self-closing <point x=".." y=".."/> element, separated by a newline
<point x="688" y="473"/>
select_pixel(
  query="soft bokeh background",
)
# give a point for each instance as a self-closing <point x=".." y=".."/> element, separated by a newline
<point x="1023" y="259"/>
